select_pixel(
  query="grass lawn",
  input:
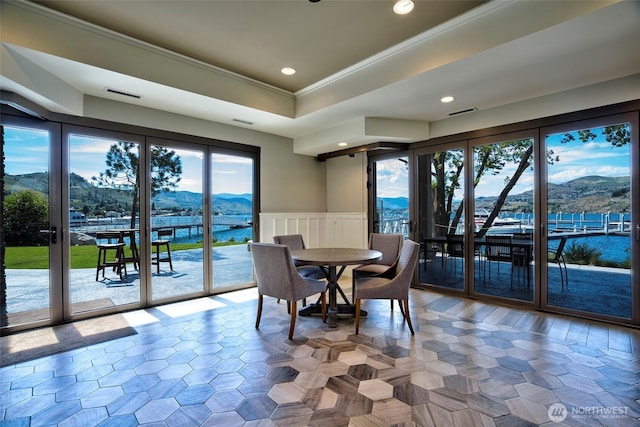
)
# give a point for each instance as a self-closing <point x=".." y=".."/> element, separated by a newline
<point x="37" y="257"/>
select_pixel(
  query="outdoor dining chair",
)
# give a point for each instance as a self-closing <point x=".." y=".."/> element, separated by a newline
<point x="557" y="257"/>
<point x="455" y="249"/>
<point x="110" y="254"/>
<point x="277" y="276"/>
<point x="497" y="248"/>
<point x="396" y="287"/>
<point x="158" y="244"/>
<point x="522" y="255"/>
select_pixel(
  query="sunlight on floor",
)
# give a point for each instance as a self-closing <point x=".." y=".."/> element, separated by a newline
<point x="240" y="296"/>
<point x="140" y="317"/>
<point x="190" y="307"/>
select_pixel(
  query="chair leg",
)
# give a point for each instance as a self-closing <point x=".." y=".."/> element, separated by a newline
<point x="406" y="311"/>
<point x="293" y="318"/>
<point x="169" y="256"/>
<point x="357" y="315"/>
<point x="323" y="297"/>
<point x="259" y="311"/>
<point x="401" y="308"/>
<point x="391" y="302"/>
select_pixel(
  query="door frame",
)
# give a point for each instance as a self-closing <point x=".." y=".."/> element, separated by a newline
<point x="633" y="119"/>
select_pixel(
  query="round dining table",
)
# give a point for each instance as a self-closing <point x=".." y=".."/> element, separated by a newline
<point x="330" y="259"/>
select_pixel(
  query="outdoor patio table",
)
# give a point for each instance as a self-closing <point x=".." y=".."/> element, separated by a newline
<point x="331" y="259"/>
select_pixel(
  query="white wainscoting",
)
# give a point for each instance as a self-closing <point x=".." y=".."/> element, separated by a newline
<point x="319" y="229"/>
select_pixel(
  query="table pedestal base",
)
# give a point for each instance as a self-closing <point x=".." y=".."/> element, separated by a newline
<point x="341" y="309"/>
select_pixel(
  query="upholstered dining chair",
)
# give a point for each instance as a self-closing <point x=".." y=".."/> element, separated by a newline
<point x="295" y="242"/>
<point x="396" y="287"/>
<point x="389" y="245"/>
<point x="277" y="276"/>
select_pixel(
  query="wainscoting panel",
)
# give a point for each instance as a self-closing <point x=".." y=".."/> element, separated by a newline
<point x="319" y="229"/>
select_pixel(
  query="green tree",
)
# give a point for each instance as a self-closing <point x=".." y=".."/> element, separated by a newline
<point x="26" y="213"/>
<point x="123" y="171"/>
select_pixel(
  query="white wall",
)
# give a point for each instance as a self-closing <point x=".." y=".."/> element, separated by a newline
<point x="318" y="229"/>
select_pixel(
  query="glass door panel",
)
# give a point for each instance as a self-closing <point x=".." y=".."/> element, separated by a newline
<point x="231" y="220"/>
<point x="589" y="229"/>
<point x="26" y="218"/>
<point x="503" y="218"/>
<point x="177" y="236"/>
<point x="104" y="206"/>
<point x="391" y="214"/>
<point x="441" y="218"/>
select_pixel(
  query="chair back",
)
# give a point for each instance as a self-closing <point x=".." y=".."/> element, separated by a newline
<point x="455" y="245"/>
<point x="276" y="275"/>
<point x="295" y="242"/>
<point x="388" y="244"/>
<point x="407" y="263"/>
<point x="164" y="233"/>
<point x="557" y="254"/>
<point x="108" y="236"/>
<point x="522" y="253"/>
<point x="498" y="248"/>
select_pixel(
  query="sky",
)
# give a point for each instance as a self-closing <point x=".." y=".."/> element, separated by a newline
<point x="25" y="152"/>
<point x="576" y="159"/>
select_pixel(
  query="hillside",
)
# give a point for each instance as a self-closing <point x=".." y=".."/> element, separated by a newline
<point x="586" y="194"/>
<point x="99" y="200"/>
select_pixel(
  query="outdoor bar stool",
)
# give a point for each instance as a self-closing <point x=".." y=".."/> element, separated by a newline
<point x="157" y="244"/>
<point x="110" y="255"/>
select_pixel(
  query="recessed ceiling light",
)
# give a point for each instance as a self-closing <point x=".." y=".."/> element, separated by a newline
<point x="342" y="144"/>
<point x="446" y="99"/>
<point x="402" y="7"/>
<point x="288" y="71"/>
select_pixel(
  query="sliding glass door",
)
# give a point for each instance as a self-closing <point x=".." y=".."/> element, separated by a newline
<point x="98" y="221"/>
<point x="556" y="218"/>
<point x="441" y="216"/>
<point x="504" y="216"/>
<point x="391" y="194"/>
<point x="232" y="221"/>
<point x="592" y="231"/>
<point x="103" y="221"/>
<point x="32" y="282"/>
<point x="177" y="234"/>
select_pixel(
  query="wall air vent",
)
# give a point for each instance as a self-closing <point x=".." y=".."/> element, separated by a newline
<point x="468" y="110"/>
<point x="245" y="122"/>
<point x="119" y="92"/>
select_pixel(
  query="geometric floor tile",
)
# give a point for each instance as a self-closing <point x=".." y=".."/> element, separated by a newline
<point x="469" y="363"/>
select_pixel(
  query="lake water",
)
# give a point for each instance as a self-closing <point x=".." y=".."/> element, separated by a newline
<point x="613" y="247"/>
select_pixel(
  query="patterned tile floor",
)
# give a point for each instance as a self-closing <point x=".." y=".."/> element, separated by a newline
<point x="203" y="363"/>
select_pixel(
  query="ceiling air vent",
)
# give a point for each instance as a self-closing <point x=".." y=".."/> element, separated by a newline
<point x="468" y="110"/>
<point x="246" y="122"/>
<point x="119" y="92"/>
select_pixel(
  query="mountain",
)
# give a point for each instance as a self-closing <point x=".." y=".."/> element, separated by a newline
<point x="393" y="203"/>
<point x="85" y="193"/>
<point x="585" y="194"/>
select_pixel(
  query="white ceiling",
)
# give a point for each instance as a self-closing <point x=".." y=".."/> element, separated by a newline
<point x="359" y="65"/>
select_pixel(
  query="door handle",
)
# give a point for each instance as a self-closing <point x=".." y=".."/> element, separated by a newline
<point x="54" y="235"/>
<point x="638" y="233"/>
